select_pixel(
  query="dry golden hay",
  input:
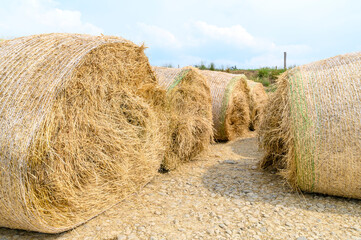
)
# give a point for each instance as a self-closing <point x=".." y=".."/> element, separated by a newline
<point x="76" y="136"/>
<point x="311" y="127"/>
<point x="230" y="104"/>
<point x="188" y="102"/>
<point x="257" y="104"/>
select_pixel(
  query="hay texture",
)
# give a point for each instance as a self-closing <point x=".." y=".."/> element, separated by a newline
<point x="258" y="101"/>
<point x="311" y="127"/>
<point x="76" y="134"/>
<point x="230" y="104"/>
<point x="188" y="102"/>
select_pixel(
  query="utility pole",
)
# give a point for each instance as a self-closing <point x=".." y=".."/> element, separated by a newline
<point x="284" y="60"/>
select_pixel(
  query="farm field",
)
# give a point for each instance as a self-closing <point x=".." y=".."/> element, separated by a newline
<point x="221" y="196"/>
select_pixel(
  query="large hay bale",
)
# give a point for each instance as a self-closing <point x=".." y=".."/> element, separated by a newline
<point x="311" y="127"/>
<point x="188" y="102"/>
<point x="76" y="134"/>
<point x="230" y="104"/>
<point x="257" y="104"/>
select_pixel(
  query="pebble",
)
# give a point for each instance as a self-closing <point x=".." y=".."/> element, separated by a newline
<point x="141" y="229"/>
<point x="301" y="238"/>
<point x="222" y="225"/>
<point x="121" y="237"/>
<point x="210" y="231"/>
<point x="132" y="237"/>
<point x="229" y="162"/>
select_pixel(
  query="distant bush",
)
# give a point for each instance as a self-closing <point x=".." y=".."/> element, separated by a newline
<point x="168" y="65"/>
<point x="265" y="75"/>
<point x="201" y="66"/>
<point x="212" y="67"/>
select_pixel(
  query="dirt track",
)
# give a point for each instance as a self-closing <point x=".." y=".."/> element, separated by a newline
<point x="221" y="196"/>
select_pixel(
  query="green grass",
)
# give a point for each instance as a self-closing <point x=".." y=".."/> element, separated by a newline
<point x="266" y="75"/>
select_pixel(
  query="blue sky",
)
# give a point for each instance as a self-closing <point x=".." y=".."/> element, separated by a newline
<point x="245" y="33"/>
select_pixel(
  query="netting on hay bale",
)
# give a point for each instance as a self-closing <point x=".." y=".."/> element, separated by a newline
<point x="77" y="134"/>
<point x="230" y="104"/>
<point x="258" y="101"/>
<point x="311" y="127"/>
<point x="188" y="101"/>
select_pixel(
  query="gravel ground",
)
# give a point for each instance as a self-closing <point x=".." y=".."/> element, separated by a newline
<point x="221" y="196"/>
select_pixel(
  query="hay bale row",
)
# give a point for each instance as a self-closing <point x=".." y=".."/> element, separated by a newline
<point x="258" y="102"/>
<point x="188" y="103"/>
<point x="77" y="131"/>
<point x="230" y="104"/>
<point x="311" y="127"/>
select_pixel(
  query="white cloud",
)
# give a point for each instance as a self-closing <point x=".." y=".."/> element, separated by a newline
<point x="235" y="35"/>
<point x="156" y="36"/>
<point x="42" y="16"/>
<point x="194" y="42"/>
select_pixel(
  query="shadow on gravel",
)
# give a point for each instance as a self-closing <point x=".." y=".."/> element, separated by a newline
<point x="7" y="234"/>
<point x="242" y="180"/>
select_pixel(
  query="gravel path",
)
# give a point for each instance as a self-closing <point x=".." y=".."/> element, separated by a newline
<point x="221" y="196"/>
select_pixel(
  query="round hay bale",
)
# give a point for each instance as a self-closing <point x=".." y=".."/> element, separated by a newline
<point x="310" y="130"/>
<point x="76" y="136"/>
<point x="188" y="102"/>
<point x="257" y="104"/>
<point x="230" y="104"/>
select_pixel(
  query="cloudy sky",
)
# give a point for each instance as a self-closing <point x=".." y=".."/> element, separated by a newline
<point x="245" y="33"/>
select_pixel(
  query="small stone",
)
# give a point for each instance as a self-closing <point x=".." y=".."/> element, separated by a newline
<point x="288" y="224"/>
<point x="141" y="229"/>
<point x="127" y="231"/>
<point x="356" y="229"/>
<point x="157" y="212"/>
<point x="222" y="225"/>
<point x="301" y="238"/>
<point x="210" y="231"/>
<point x="254" y="167"/>
<point x="253" y="220"/>
<point x="229" y="162"/>
<point x="320" y="205"/>
<point x="229" y="232"/>
<point x="121" y="237"/>
<point x="152" y="238"/>
<point x="263" y="230"/>
<point x="132" y="237"/>
<point x="246" y="191"/>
